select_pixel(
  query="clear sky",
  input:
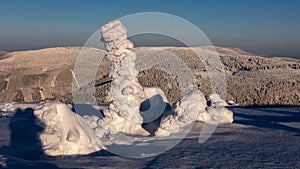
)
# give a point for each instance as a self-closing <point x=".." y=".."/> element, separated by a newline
<point x="270" y="27"/>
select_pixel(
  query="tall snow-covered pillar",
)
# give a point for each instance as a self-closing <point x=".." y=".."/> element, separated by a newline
<point x="125" y="93"/>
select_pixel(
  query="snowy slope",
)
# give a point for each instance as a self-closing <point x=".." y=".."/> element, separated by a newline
<point x="258" y="138"/>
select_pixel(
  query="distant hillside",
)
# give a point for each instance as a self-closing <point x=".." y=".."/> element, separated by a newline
<point x="44" y="74"/>
<point x="228" y="51"/>
<point x="2" y="53"/>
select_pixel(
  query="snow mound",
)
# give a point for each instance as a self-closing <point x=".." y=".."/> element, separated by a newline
<point x="63" y="131"/>
<point x="216" y="111"/>
<point x="184" y="112"/>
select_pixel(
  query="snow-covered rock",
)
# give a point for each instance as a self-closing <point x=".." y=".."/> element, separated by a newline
<point x="214" y="100"/>
<point x="232" y="103"/>
<point x="184" y="112"/>
<point x="125" y="93"/>
<point x="64" y="131"/>
<point x="216" y="112"/>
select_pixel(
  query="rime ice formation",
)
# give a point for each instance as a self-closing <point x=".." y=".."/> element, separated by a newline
<point x="63" y="132"/>
<point x="214" y="100"/>
<point x="216" y="111"/>
<point x="232" y="103"/>
<point x="66" y="133"/>
<point x="184" y="112"/>
<point x="192" y="107"/>
<point x="126" y="94"/>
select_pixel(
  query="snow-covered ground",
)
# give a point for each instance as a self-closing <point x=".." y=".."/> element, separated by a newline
<point x="258" y="138"/>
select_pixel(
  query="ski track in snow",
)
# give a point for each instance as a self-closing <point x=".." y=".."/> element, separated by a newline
<point x="258" y="138"/>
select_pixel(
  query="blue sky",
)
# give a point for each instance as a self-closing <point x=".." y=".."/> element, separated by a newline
<point x="270" y="27"/>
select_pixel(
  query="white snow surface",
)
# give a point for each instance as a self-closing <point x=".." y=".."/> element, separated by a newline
<point x="216" y="112"/>
<point x="64" y="132"/>
<point x="184" y="112"/>
<point x="67" y="133"/>
<point x="258" y="138"/>
<point x="125" y="93"/>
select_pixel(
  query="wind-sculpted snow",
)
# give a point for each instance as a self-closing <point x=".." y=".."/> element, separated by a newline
<point x="125" y="93"/>
<point x="216" y="111"/>
<point x="184" y="112"/>
<point x="192" y="107"/>
<point x="63" y="132"/>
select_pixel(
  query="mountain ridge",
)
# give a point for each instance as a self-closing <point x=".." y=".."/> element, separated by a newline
<point x="46" y="74"/>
